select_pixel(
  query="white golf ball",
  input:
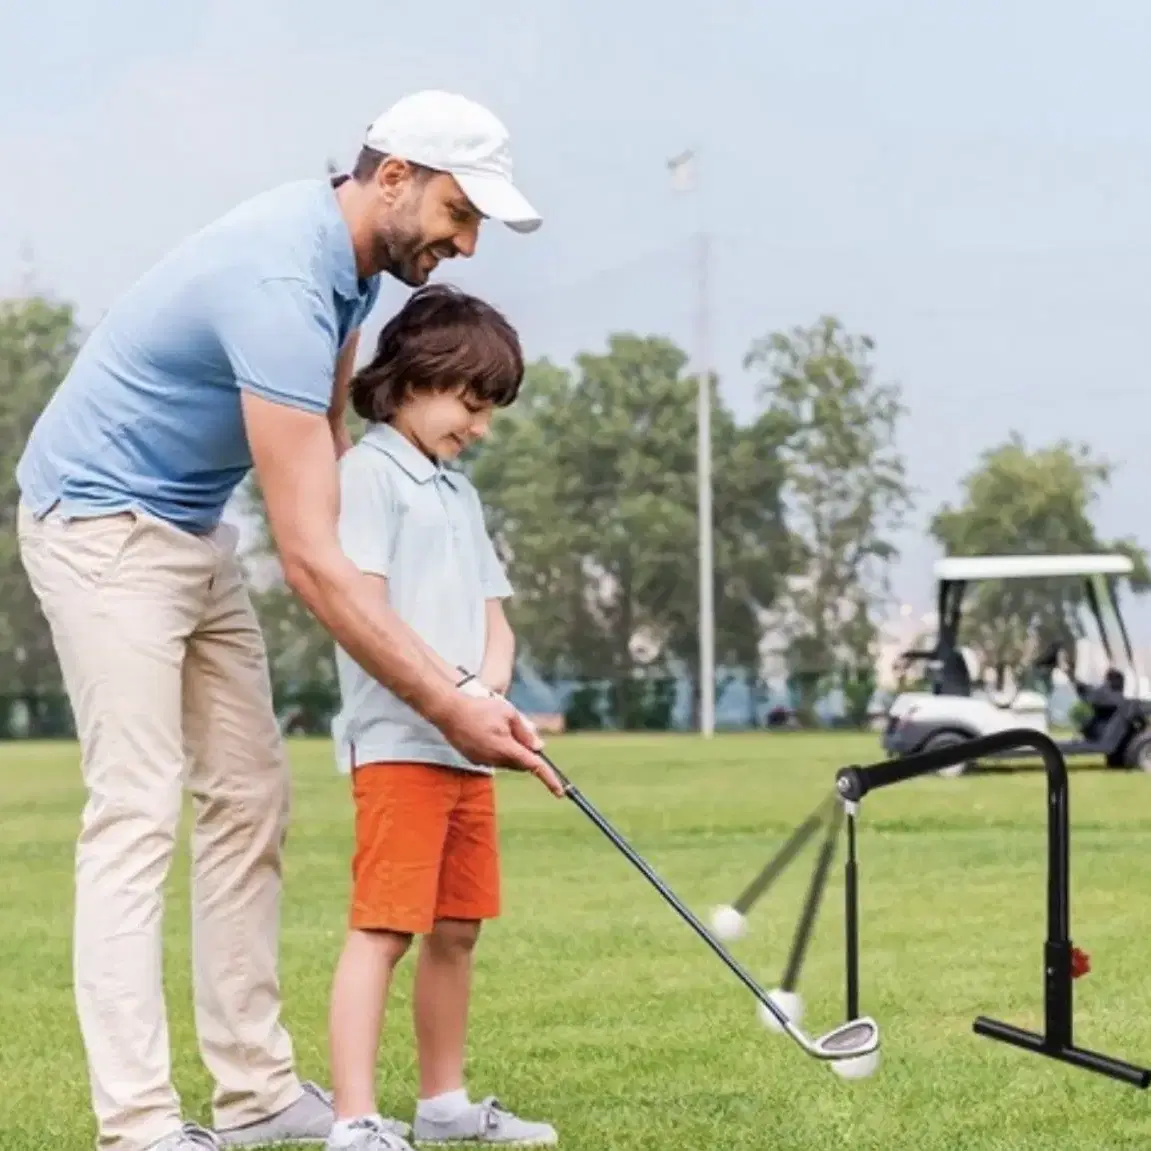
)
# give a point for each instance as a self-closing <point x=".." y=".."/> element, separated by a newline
<point x="861" y="1067"/>
<point x="727" y="923"/>
<point x="789" y="1002"/>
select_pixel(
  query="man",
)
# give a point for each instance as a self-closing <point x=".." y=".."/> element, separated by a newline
<point x="235" y="350"/>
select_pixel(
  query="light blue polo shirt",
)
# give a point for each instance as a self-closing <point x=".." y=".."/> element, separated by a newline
<point x="149" y="416"/>
<point x="421" y="526"/>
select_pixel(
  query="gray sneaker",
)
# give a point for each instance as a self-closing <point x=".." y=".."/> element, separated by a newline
<point x="371" y="1135"/>
<point x="306" y="1122"/>
<point x="485" y="1122"/>
<point x="190" y="1137"/>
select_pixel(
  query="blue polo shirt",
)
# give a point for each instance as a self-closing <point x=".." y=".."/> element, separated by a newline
<point x="421" y="526"/>
<point x="149" y="418"/>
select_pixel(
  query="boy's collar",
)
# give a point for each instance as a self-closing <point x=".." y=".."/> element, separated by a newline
<point x="386" y="439"/>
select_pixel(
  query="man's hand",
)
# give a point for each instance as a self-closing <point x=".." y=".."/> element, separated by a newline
<point x="524" y="731"/>
<point x="492" y="732"/>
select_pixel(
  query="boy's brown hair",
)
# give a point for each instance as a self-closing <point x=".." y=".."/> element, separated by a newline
<point x="442" y="339"/>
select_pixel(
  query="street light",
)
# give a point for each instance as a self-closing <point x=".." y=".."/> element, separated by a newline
<point x="683" y="172"/>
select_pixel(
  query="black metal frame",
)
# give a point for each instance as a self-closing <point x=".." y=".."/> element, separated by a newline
<point x="1057" y="1041"/>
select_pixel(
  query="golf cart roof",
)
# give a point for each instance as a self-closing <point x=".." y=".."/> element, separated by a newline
<point x="1030" y="567"/>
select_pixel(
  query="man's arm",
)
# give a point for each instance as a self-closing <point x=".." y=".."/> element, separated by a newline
<point x="295" y="462"/>
<point x="452" y="674"/>
<point x="296" y="465"/>
<point x="499" y="648"/>
<point x="280" y="338"/>
<point x="337" y="413"/>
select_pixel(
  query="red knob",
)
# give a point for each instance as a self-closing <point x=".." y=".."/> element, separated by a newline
<point x="1080" y="963"/>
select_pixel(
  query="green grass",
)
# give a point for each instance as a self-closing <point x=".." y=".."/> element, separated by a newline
<point x="597" y="1010"/>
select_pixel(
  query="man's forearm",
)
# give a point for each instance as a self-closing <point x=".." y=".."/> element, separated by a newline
<point x="350" y="608"/>
<point x="447" y="670"/>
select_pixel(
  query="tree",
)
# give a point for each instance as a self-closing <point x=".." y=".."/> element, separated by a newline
<point x="1018" y="500"/>
<point x="846" y="494"/>
<point x="590" y="485"/>
<point x="39" y="339"/>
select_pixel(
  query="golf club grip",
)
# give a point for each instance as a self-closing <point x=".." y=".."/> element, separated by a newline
<point x="853" y="783"/>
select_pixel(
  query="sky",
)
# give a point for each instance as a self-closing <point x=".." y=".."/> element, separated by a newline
<point x="968" y="183"/>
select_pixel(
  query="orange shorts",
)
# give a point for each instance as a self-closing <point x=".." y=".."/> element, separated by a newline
<point x="427" y="847"/>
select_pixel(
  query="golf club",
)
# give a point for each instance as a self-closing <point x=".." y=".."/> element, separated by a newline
<point x="849" y="1041"/>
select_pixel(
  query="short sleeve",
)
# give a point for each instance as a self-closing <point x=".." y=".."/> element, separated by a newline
<point x="369" y="515"/>
<point x="280" y="341"/>
<point x="493" y="576"/>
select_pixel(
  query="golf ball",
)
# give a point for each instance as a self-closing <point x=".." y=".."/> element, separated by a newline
<point x="727" y="923"/>
<point x="861" y="1067"/>
<point x="789" y="1002"/>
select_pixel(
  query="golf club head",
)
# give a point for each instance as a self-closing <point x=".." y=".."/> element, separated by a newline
<point x="849" y="1040"/>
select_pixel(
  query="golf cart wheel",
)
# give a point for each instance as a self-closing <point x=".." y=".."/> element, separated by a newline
<point x="1139" y="752"/>
<point x="948" y="739"/>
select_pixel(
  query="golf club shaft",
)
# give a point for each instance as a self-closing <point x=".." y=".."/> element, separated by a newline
<point x="576" y="796"/>
<point x="818" y="1049"/>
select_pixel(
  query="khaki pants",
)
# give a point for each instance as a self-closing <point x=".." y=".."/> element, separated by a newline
<point x="165" y="667"/>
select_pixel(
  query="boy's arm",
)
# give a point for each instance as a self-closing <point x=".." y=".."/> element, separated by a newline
<point x="499" y="648"/>
<point x="498" y="663"/>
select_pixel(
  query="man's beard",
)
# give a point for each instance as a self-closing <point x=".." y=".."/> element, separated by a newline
<point x="398" y="254"/>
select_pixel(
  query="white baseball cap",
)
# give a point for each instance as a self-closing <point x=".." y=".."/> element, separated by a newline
<point x="449" y="133"/>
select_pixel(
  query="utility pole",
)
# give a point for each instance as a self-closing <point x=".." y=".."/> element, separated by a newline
<point x="682" y="168"/>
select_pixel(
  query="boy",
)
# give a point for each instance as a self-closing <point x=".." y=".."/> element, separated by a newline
<point x="426" y="857"/>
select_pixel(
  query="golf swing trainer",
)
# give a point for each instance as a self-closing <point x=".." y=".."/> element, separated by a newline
<point x="851" y="1048"/>
<point x="1062" y="961"/>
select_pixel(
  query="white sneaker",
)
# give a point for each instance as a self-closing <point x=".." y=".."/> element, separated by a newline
<point x="190" y="1137"/>
<point x="368" y="1135"/>
<point x="482" y="1123"/>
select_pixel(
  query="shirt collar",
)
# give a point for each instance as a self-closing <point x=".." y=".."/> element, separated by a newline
<point x="385" y="438"/>
<point x="338" y="246"/>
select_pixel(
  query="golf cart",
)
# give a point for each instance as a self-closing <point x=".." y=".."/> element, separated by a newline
<point x="1117" y="727"/>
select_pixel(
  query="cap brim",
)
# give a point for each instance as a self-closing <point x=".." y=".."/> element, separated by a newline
<point x="500" y="199"/>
